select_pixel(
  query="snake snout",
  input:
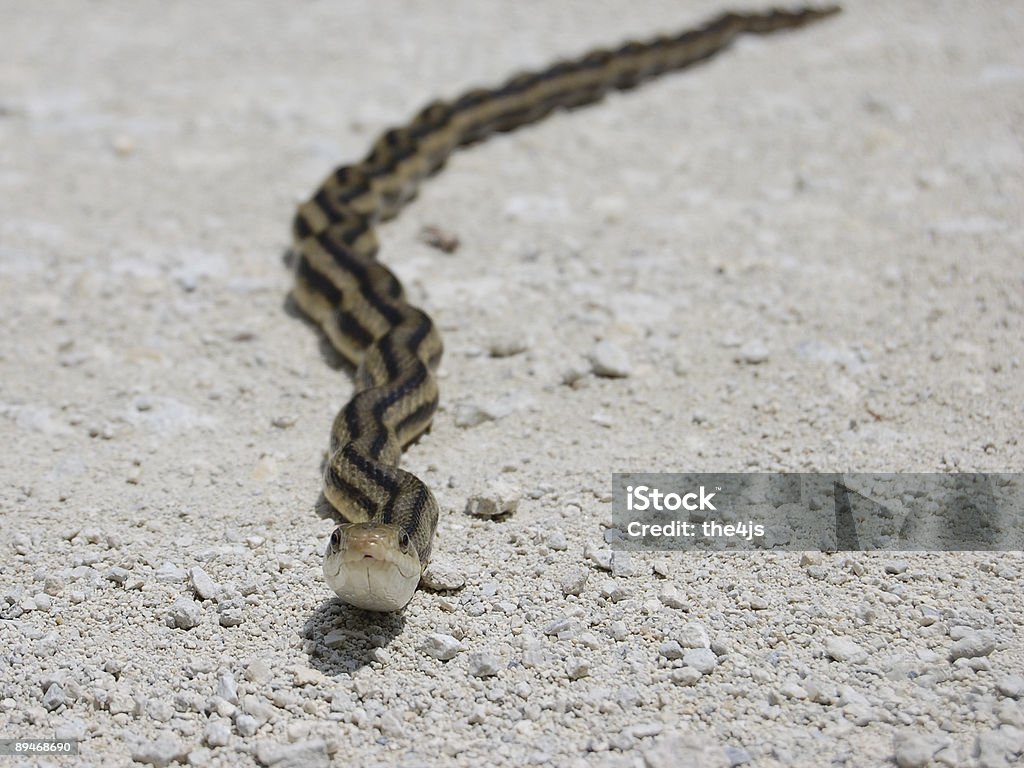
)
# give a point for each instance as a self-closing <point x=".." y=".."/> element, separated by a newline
<point x="367" y="567"/>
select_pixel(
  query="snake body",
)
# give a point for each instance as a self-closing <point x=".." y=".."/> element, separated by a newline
<point x="375" y="559"/>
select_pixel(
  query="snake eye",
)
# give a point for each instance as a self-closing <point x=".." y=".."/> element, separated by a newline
<point x="403" y="541"/>
<point x="335" y="539"/>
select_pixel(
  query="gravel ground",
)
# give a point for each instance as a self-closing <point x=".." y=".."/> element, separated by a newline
<point x="803" y="255"/>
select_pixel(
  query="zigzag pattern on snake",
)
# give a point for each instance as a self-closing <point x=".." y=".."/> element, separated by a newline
<point x="375" y="559"/>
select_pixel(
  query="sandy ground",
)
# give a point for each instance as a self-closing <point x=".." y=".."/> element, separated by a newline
<point x="808" y="249"/>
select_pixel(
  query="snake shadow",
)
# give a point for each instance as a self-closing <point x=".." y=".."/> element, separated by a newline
<point x="340" y="639"/>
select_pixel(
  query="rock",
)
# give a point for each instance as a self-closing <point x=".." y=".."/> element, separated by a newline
<point x="972" y="645"/>
<point x="439" y="238"/>
<point x="302" y="754"/>
<point x="602" y="558"/>
<point x="218" y="733"/>
<point x="844" y="649"/>
<point x="915" y="750"/>
<point x="303" y="676"/>
<point x="556" y="541"/>
<point x="160" y="710"/>
<point x="577" y="667"/>
<point x="701" y="659"/>
<point x="391" y="726"/>
<point x="169" y="573"/>
<point x="185" y="613"/>
<point x="163" y="751"/>
<point x="442" y="647"/>
<point x="609" y="360"/>
<point x="117" y="574"/>
<point x="793" y="690"/>
<point x="671" y="597"/>
<point x="810" y="558"/>
<point x="693" y="635"/>
<point x="1011" y="686"/>
<point x="615" y="592"/>
<point x="1001" y="746"/>
<point x="573" y="582"/>
<point x="559" y="626"/>
<point x="508" y="345"/>
<point x="246" y="725"/>
<point x="442" y="575"/>
<point x="500" y="498"/>
<point x="685" y="751"/>
<point x="484" y="664"/>
<point x="622" y="564"/>
<point x="754" y="352"/>
<point x="204" y="587"/>
<point x="671" y="650"/>
<point x="686" y="676"/>
<point x="258" y="671"/>
<point x="54" y="697"/>
<point x="227" y="689"/>
<point x="122" y="702"/>
<point x="71" y="729"/>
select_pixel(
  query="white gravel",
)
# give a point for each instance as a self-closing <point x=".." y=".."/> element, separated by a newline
<point x="804" y="255"/>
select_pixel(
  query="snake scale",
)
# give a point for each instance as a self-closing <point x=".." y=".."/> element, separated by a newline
<point x="375" y="559"/>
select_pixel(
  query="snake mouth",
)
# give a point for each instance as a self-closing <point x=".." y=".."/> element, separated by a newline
<point x="366" y="567"/>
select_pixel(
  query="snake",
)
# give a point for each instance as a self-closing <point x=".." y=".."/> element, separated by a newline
<point x="376" y="556"/>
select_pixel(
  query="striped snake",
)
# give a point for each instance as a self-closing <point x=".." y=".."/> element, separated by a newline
<point x="375" y="559"/>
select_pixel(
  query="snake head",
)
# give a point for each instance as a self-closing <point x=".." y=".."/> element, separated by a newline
<point x="372" y="566"/>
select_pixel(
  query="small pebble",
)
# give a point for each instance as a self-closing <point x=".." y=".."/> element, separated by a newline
<point x="204" y="587"/>
<point x="972" y="645"/>
<point x="54" y="697"/>
<point x="615" y="592"/>
<point x="685" y="751"/>
<point x="556" y="541"/>
<point x="442" y="239"/>
<point x="915" y="751"/>
<point x="169" y="573"/>
<point x="844" y="649"/>
<point x="185" y="613"/>
<point x="71" y="729"/>
<point x="442" y="647"/>
<point x="693" y="635"/>
<point x="258" y="671"/>
<point x="574" y="581"/>
<point x="609" y="360"/>
<point x="246" y="725"/>
<point x="311" y="753"/>
<point x="671" y="650"/>
<point x="701" y="659"/>
<point x="1011" y="686"/>
<point x="559" y="626"/>
<point x="218" y="733"/>
<point x="507" y="345"/>
<point x="117" y="575"/>
<point x="442" y="575"/>
<point x="753" y="352"/>
<point x="686" y="676"/>
<point x="163" y="751"/>
<point x="500" y="498"/>
<point x="671" y="597"/>
<point x="577" y="667"/>
<point x="483" y="664"/>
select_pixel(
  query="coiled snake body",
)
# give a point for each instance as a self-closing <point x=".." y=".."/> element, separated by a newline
<point x="375" y="559"/>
